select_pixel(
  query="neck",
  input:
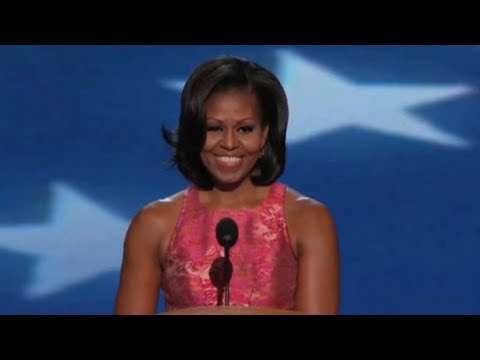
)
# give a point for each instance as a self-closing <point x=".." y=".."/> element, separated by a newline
<point x="232" y="193"/>
<point x="241" y="195"/>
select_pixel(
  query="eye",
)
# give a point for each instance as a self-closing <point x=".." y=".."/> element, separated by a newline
<point x="214" y="128"/>
<point x="246" y="129"/>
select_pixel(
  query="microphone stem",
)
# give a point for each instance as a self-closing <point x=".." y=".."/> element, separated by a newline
<point x="227" y="277"/>
<point x="227" y="294"/>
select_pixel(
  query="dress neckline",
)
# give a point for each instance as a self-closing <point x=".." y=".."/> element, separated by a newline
<point x="195" y="196"/>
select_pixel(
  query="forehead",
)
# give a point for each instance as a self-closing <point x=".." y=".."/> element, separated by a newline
<point x="233" y="101"/>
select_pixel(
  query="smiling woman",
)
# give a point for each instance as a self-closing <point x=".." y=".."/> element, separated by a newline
<point x="235" y="136"/>
<point x="230" y="145"/>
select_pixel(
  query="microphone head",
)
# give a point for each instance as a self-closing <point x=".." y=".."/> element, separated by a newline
<point x="227" y="232"/>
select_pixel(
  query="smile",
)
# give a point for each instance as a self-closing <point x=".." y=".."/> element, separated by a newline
<point x="229" y="160"/>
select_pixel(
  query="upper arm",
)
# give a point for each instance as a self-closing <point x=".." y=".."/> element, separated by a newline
<point x="318" y="286"/>
<point x="140" y="276"/>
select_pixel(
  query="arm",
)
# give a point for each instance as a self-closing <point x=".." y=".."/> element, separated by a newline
<point x="141" y="269"/>
<point x="318" y="289"/>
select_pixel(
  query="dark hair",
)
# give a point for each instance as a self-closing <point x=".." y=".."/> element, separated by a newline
<point x="222" y="74"/>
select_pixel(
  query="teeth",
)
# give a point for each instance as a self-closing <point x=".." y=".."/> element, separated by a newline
<point x="229" y="159"/>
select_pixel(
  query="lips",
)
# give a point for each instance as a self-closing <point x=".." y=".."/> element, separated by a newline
<point x="228" y="160"/>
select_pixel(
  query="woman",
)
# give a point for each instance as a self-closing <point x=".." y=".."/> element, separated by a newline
<point x="230" y="145"/>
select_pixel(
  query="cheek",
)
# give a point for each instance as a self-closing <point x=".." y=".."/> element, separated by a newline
<point x="253" y="145"/>
<point x="210" y="143"/>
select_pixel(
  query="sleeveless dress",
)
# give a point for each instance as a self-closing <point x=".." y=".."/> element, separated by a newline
<point x="264" y="266"/>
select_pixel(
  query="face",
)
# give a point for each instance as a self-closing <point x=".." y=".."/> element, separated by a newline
<point x="235" y="136"/>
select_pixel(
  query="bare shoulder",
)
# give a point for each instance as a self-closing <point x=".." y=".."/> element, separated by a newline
<point x="309" y="220"/>
<point x="160" y="210"/>
<point x="156" y="220"/>
<point x="307" y="208"/>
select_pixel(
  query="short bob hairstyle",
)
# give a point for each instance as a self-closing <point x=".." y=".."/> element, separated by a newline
<point x="222" y="74"/>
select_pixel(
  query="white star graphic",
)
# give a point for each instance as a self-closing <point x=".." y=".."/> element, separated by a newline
<point x="81" y="241"/>
<point x="322" y="101"/>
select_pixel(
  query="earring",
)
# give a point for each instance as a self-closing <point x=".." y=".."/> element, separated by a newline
<point x="262" y="153"/>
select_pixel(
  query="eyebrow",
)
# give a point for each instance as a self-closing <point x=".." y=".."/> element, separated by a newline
<point x="240" y="121"/>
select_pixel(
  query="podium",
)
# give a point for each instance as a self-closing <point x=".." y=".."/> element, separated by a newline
<point x="230" y="310"/>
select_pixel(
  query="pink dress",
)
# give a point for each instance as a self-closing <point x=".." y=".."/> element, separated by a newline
<point x="264" y="266"/>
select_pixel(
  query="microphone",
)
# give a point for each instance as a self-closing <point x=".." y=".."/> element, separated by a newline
<point x="227" y="236"/>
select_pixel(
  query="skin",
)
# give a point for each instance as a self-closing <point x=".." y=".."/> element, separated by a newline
<point x="235" y="130"/>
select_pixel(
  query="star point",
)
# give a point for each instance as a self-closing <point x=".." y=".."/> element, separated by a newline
<point x="66" y="256"/>
<point x="322" y="101"/>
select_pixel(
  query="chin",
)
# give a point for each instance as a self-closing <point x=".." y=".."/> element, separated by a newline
<point x="229" y="181"/>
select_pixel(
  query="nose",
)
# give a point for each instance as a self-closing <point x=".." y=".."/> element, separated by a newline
<point x="229" y="140"/>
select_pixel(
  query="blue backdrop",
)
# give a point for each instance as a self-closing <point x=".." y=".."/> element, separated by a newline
<point x="387" y="136"/>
